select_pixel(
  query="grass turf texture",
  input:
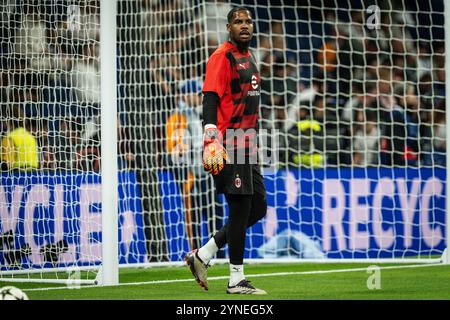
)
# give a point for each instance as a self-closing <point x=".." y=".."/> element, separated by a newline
<point x="430" y="282"/>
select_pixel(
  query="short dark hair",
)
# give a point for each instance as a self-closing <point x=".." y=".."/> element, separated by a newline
<point x="232" y="12"/>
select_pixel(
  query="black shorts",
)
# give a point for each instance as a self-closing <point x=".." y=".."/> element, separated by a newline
<point x="240" y="179"/>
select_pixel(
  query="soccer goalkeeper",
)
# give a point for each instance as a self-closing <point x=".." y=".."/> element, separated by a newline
<point x="231" y="94"/>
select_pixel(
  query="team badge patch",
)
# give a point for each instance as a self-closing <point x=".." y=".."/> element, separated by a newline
<point x="237" y="182"/>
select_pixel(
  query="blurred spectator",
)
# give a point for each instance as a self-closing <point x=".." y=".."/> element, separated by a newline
<point x="19" y="147"/>
<point x="438" y="153"/>
<point x="304" y="96"/>
<point x="272" y="46"/>
<point x="88" y="150"/>
<point x="327" y="113"/>
<point x="147" y="35"/>
<point x="326" y="56"/>
<point x="424" y="61"/>
<point x="365" y="142"/>
<point x="86" y="75"/>
<point x="216" y="20"/>
<point x="126" y="147"/>
<point x="438" y="77"/>
<point x="394" y="26"/>
<point x="363" y="96"/>
<point x="305" y="140"/>
<point x="351" y="37"/>
<point x="86" y="25"/>
<point x="425" y="90"/>
<point x="278" y="92"/>
<point x="31" y="35"/>
<point x="66" y="142"/>
<point x="399" y="143"/>
<point x="352" y="117"/>
<point x="50" y="48"/>
<point x="327" y="59"/>
<point x="184" y="131"/>
<point x="4" y="99"/>
<point x="47" y="155"/>
<point x="273" y="43"/>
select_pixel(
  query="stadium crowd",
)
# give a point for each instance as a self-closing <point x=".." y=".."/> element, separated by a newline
<point x="356" y="96"/>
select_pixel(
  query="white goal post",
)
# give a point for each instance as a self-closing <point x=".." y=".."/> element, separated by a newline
<point x="110" y="197"/>
<point x="446" y="256"/>
<point x="100" y="134"/>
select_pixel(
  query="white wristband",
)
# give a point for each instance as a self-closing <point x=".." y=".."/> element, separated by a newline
<point x="210" y="125"/>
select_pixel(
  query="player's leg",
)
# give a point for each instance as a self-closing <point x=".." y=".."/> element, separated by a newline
<point x="198" y="260"/>
<point x="244" y="210"/>
<point x="219" y="240"/>
<point x="239" y="211"/>
<point x="225" y="183"/>
<point x="257" y="212"/>
<point x="238" y="216"/>
<point x="239" y="207"/>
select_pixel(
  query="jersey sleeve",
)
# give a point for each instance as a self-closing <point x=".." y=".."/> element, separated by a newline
<point x="217" y="75"/>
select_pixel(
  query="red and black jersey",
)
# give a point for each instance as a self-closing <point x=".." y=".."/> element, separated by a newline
<point x="234" y="76"/>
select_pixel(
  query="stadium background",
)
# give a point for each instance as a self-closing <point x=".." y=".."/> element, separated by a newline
<point x="51" y="79"/>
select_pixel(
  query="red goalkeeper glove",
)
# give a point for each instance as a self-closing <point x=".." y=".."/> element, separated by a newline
<point x="214" y="154"/>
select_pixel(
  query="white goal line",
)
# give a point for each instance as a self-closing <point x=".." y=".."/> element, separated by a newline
<point x="275" y="274"/>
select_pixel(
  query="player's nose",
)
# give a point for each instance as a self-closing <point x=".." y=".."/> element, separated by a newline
<point x="244" y="28"/>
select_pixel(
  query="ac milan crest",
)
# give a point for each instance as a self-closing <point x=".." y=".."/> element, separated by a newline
<point x="237" y="182"/>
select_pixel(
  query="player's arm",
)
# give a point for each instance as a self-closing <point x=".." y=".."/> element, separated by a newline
<point x="217" y="76"/>
<point x="214" y="154"/>
<point x="210" y="103"/>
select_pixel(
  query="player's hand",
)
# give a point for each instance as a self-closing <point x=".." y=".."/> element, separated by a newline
<point x="214" y="154"/>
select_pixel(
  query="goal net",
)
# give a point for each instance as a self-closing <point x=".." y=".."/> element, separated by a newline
<point x="352" y="117"/>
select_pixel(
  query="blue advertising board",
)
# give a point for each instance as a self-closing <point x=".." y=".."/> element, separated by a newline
<point x="54" y="219"/>
<point x="336" y="213"/>
<point x="50" y="219"/>
<point x="362" y="213"/>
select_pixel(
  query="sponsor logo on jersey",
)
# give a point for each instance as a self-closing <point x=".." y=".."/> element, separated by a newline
<point x="253" y="93"/>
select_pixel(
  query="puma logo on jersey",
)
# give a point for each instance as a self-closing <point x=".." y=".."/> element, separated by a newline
<point x="243" y="65"/>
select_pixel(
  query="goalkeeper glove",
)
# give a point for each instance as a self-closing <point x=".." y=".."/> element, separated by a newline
<point x="214" y="154"/>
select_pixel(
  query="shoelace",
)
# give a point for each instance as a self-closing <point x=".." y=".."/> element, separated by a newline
<point x="246" y="284"/>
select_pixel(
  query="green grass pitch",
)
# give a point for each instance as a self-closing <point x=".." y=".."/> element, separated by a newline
<point x="282" y="282"/>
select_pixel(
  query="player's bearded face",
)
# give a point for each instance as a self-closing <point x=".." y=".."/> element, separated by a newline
<point x="241" y="28"/>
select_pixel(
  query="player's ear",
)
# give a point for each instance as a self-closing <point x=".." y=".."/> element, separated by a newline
<point x="228" y="27"/>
